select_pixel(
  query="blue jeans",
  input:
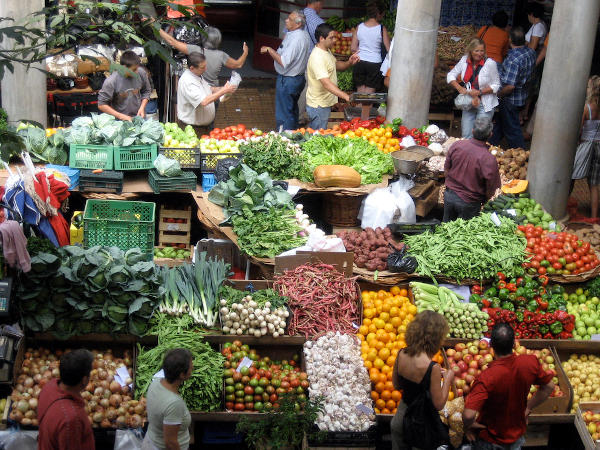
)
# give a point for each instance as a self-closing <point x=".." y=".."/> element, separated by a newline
<point x="318" y="117"/>
<point x="483" y="445"/>
<point x="507" y="125"/>
<point x="469" y="117"/>
<point x="287" y="93"/>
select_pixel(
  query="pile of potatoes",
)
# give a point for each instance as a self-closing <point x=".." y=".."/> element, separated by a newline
<point x="371" y="247"/>
<point x="589" y="233"/>
<point x="512" y="162"/>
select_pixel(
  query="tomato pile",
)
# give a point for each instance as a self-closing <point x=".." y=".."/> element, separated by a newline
<point x="234" y="132"/>
<point x="357" y="123"/>
<point x="418" y="134"/>
<point x="260" y="386"/>
<point x="557" y="253"/>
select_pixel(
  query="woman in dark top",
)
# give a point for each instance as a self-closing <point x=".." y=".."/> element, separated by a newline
<point x="424" y="337"/>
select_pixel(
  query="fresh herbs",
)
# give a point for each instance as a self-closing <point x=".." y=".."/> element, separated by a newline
<point x="261" y="297"/>
<point x="267" y="233"/>
<point x="37" y="245"/>
<point x="363" y="157"/>
<point x="274" y="154"/>
<point x="345" y="80"/>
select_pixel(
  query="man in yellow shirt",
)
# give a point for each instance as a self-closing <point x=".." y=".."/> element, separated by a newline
<point x="322" y="92"/>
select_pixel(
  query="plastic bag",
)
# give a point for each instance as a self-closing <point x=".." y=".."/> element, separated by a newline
<point x="377" y="209"/>
<point x="18" y="440"/>
<point x="400" y="262"/>
<point x="167" y="167"/>
<point x="406" y="212"/>
<point x="319" y="243"/>
<point x="129" y="440"/>
<point x="464" y="102"/>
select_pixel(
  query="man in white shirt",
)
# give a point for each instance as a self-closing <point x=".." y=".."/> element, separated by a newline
<point x="290" y="64"/>
<point x="195" y="97"/>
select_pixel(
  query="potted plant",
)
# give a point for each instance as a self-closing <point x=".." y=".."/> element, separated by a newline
<point x="285" y="427"/>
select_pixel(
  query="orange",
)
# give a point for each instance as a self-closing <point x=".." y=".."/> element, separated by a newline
<point x="394" y="311"/>
<point x="371" y="355"/>
<point x="394" y="410"/>
<point x="412" y="309"/>
<point x="384" y="353"/>
<point x="363" y="330"/>
<point x="386" y="369"/>
<point x="389" y="386"/>
<point x="368" y="364"/>
<point x="367" y="322"/>
<point x="388" y="135"/>
<point x="374" y="375"/>
<point x="403" y="292"/>
<point x="395" y="290"/>
<point x="379" y="387"/>
<point x="372" y="328"/>
<point x="377" y="411"/>
<point x="374" y="395"/>
<point x="382" y="378"/>
<point x="396" y="321"/>
<point x="396" y="396"/>
<point x="386" y="395"/>
<point x="380" y="404"/>
<point x="385" y="411"/>
<point x="378" y="344"/>
<point x="391" y="360"/>
<point x="371" y="337"/>
<point x="361" y="337"/>
<point x="389" y="327"/>
<point x="390" y="404"/>
<point x="378" y="363"/>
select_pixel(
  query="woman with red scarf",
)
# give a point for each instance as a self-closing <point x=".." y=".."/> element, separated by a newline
<point x="477" y="76"/>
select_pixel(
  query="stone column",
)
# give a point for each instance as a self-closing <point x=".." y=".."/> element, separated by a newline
<point x="413" y="56"/>
<point x="561" y="101"/>
<point x="24" y="91"/>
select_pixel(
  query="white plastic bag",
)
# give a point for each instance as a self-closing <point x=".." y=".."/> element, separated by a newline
<point x="377" y="209"/>
<point x="130" y="440"/>
<point x="405" y="205"/>
<point x="320" y="243"/>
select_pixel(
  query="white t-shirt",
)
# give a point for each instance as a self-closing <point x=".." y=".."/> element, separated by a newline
<point x="191" y="91"/>
<point x="537" y="30"/>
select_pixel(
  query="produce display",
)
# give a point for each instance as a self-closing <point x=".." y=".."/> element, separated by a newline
<point x="274" y="154"/>
<point x="232" y="132"/>
<point x="203" y="390"/>
<point x="178" y="138"/>
<point x="475" y="248"/>
<point x="453" y="49"/>
<point x="381" y="137"/>
<point x="465" y="319"/>
<point x="590" y="233"/>
<point x="260" y="385"/>
<point x="468" y="360"/>
<point x="108" y="396"/>
<point x="523" y="210"/>
<point x="371" y="247"/>
<point x="171" y="253"/>
<point x="386" y="316"/>
<point x="583" y="304"/>
<point x="332" y="358"/>
<point x="557" y="253"/>
<point x="259" y="313"/>
<point x="98" y="290"/>
<point x="42" y="146"/>
<point x="592" y="422"/>
<point x="583" y="373"/>
<point x="193" y="289"/>
<point x="512" y="163"/>
<point x="363" y="157"/>
<point x="320" y="298"/>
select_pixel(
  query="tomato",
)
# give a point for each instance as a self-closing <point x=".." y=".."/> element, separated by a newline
<point x="557" y="266"/>
<point x="535" y="264"/>
<point x="542" y="270"/>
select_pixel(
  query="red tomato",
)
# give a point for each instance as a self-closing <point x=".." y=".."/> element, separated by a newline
<point x="557" y="266"/>
<point x="542" y="270"/>
<point x="535" y="264"/>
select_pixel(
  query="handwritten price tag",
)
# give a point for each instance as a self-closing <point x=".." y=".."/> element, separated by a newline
<point x="246" y="362"/>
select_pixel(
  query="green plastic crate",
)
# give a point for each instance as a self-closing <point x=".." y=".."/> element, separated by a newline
<point x="189" y="158"/>
<point x="158" y="183"/>
<point x="135" y="157"/>
<point x="88" y="156"/>
<point x="119" y="223"/>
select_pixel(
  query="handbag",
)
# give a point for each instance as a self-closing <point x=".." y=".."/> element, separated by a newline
<point x="422" y="426"/>
<point x="464" y="102"/>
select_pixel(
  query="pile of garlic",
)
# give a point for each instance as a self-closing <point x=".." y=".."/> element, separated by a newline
<point x="335" y="371"/>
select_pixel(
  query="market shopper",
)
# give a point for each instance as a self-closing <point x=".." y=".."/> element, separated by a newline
<point x="496" y="36"/>
<point x="168" y="417"/>
<point x="496" y="409"/>
<point x="372" y="42"/>
<point x="414" y="372"/>
<point x="290" y="64"/>
<point x="313" y="20"/>
<point x="590" y="133"/>
<point x="63" y="420"/>
<point x="125" y="96"/>
<point x="479" y="75"/>
<point x="538" y="30"/>
<point x="514" y="74"/>
<point x="196" y="98"/>
<point x="321" y="74"/>
<point x="472" y="174"/>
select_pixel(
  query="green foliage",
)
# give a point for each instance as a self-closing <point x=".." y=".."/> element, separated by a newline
<point x="346" y="80"/>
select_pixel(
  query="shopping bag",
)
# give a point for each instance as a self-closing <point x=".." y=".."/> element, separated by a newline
<point x="583" y="160"/>
<point x="464" y="102"/>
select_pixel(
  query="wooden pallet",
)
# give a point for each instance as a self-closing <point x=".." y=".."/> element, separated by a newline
<point x="174" y="233"/>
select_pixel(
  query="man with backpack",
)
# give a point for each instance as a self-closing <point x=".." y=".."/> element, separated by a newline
<point x="496" y="409"/>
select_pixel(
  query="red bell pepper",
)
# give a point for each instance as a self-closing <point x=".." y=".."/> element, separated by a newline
<point x="501" y="276"/>
<point x="543" y="279"/>
<point x="380" y="119"/>
<point x="512" y="287"/>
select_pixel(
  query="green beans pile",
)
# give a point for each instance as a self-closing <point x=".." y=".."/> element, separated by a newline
<point x="202" y="392"/>
<point x="475" y="249"/>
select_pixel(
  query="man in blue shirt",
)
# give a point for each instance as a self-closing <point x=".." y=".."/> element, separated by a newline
<point x="313" y="20"/>
<point x="290" y="64"/>
<point x="514" y="74"/>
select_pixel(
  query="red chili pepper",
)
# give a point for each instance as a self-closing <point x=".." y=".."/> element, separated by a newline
<point x="477" y="289"/>
<point x="548" y="336"/>
<point x="501" y="284"/>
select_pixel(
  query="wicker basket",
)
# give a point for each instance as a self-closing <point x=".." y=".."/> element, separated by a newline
<point x="342" y="210"/>
<point x="579" y="278"/>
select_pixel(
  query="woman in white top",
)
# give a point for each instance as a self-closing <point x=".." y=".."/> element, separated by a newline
<point x="482" y="74"/>
<point x="369" y="39"/>
<point x="537" y="32"/>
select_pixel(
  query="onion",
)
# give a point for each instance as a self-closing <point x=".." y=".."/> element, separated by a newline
<point x="121" y="411"/>
<point x="26" y="421"/>
<point x="20" y="388"/>
<point x="28" y="382"/>
<point x="102" y="374"/>
<point x="92" y="405"/>
<point x="30" y="414"/>
<point x="37" y="377"/>
<point x="55" y="373"/>
<point x="127" y="399"/>
<point x="114" y="387"/>
<point x="34" y="422"/>
<point x="90" y="387"/>
<point x="23" y="406"/>
<point x="98" y="417"/>
<point x="111" y="414"/>
<point x="121" y="422"/>
<point x="104" y="403"/>
<point x="105" y="423"/>
<point x="47" y="374"/>
<point x="115" y="400"/>
<point x="98" y="391"/>
<point x="135" y="421"/>
<point x="18" y="415"/>
<point x="104" y="384"/>
<point x="139" y="409"/>
<point x="33" y="403"/>
<point x="125" y="390"/>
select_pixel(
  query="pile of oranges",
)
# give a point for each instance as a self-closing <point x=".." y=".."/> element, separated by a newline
<point x="386" y="314"/>
<point x="381" y="137"/>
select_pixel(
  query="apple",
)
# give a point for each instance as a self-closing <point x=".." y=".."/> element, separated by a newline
<point x="545" y="352"/>
<point x="466" y="389"/>
<point x="550" y="372"/>
<point x="549" y="360"/>
<point x="456" y="370"/>
<point x="471" y="371"/>
<point x="521" y="350"/>
<point x="482" y="362"/>
<point x="483" y="344"/>
<point x="473" y="365"/>
<point x="460" y="383"/>
<point x="468" y="358"/>
<point x="462" y="365"/>
<point x="469" y="379"/>
<point x="450" y="360"/>
<point x="488" y="358"/>
<point x="484" y="367"/>
<point x="473" y="350"/>
<point x="460" y="347"/>
<point x="450" y="353"/>
<point x="478" y="357"/>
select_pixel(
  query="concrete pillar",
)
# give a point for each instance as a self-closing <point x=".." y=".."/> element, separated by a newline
<point x="415" y="38"/>
<point x="561" y="101"/>
<point x="24" y="91"/>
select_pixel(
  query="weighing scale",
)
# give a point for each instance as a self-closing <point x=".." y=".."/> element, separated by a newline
<point x="367" y="100"/>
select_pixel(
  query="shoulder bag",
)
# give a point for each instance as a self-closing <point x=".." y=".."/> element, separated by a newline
<point x="464" y="102"/>
<point x="422" y="426"/>
<point x="583" y="156"/>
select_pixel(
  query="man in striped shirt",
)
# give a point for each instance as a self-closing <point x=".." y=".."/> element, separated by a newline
<point x="313" y="20"/>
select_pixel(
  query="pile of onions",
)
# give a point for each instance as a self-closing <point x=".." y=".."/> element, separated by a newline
<point x="108" y="404"/>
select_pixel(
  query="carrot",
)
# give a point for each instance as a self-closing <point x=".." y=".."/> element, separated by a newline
<point x="97" y="171"/>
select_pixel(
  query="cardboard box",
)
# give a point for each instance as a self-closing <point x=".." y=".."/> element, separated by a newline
<point x="76" y="233"/>
<point x="342" y="261"/>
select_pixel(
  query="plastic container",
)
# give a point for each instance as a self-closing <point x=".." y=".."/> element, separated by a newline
<point x="210" y="160"/>
<point x="88" y="156"/>
<point x="119" y="223"/>
<point x="135" y="157"/>
<point x="189" y="158"/>
<point x="106" y="181"/>
<point x="158" y="183"/>
<point x="208" y="181"/>
<point x="73" y="174"/>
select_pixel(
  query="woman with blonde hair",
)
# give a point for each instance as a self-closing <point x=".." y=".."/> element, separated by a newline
<point x="590" y="139"/>
<point x="416" y="374"/>
<point x="480" y="80"/>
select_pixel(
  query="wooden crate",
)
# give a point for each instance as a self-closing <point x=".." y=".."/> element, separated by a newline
<point x="335" y="118"/>
<point x="582" y="429"/>
<point x="170" y="262"/>
<point x="171" y="232"/>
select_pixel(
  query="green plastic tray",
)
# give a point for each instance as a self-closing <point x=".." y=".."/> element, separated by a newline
<point x="158" y="183"/>
<point x="119" y="223"/>
<point x="135" y="157"/>
<point x="189" y="158"/>
<point x="88" y="156"/>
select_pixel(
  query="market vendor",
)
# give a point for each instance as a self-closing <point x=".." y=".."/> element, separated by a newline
<point x="496" y="409"/>
<point x="125" y="96"/>
<point x="196" y="98"/>
<point x="472" y="175"/>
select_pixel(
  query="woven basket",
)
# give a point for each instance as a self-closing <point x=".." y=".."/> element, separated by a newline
<point x="342" y="210"/>
<point x="579" y="278"/>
